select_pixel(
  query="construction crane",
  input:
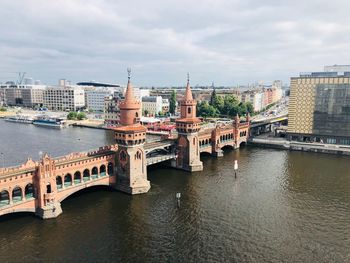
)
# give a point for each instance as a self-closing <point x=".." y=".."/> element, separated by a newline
<point x="20" y="77"/>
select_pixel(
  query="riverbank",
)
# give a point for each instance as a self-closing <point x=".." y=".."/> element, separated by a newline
<point x="280" y="143"/>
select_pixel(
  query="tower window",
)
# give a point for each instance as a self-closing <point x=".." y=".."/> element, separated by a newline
<point x="189" y="110"/>
<point x="136" y="114"/>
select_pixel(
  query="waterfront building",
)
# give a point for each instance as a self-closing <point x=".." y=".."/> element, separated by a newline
<point x="152" y="105"/>
<point x="319" y="107"/>
<point x="69" y="98"/>
<point x="2" y="97"/>
<point x="95" y="99"/>
<point x="23" y="95"/>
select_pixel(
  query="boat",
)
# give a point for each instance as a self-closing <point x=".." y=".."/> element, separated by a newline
<point x="48" y="121"/>
<point x="20" y="119"/>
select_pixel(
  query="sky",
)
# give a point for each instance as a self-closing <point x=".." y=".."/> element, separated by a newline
<point x="227" y="42"/>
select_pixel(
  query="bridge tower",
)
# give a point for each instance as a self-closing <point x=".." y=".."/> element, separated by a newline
<point x="46" y="190"/>
<point x="130" y="137"/>
<point x="188" y="126"/>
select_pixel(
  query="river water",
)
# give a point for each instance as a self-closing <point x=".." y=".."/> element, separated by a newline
<point x="283" y="207"/>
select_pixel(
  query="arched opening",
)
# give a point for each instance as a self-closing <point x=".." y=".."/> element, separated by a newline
<point x="136" y="114"/>
<point x="110" y="169"/>
<point x="59" y="182"/>
<point x="242" y="144"/>
<point x="189" y="110"/>
<point x="29" y="191"/>
<point x="103" y="170"/>
<point x="86" y="175"/>
<point x="77" y="177"/>
<point x="94" y="173"/>
<point x="4" y="198"/>
<point x="67" y="180"/>
<point x="17" y="194"/>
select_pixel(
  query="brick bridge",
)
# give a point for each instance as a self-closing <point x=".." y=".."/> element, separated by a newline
<point x="41" y="186"/>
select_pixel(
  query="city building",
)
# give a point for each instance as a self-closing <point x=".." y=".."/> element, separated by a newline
<point x="152" y="105"/>
<point x="67" y="98"/>
<point x="22" y="95"/>
<point x="95" y="99"/>
<point x="165" y="105"/>
<point x="255" y="97"/>
<point x="111" y="111"/>
<point x="319" y="107"/>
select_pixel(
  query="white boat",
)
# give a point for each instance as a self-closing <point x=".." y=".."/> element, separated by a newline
<point x="49" y="121"/>
<point x="20" y="119"/>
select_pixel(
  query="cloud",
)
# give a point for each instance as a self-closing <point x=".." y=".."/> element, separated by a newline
<point x="228" y="42"/>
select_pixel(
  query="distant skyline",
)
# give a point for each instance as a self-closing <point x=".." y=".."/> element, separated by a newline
<point x="226" y="42"/>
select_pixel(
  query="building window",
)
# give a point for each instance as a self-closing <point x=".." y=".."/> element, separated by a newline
<point x="189" y="110"/>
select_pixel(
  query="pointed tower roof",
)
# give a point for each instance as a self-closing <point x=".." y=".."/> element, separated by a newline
<point x="129" y="93"/>
<point x="188" y="94"/>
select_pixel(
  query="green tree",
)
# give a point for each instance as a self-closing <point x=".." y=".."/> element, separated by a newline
<point x="81" y="116"/>
<point x="3" y="109"/>
<point x="250" y="108"/>
<point x="72" y="115"/>
<point x="172" y="102"/>
<point x="213" y="97"/>
<point x="205" y="110"/>
<point x="145" y="113"/>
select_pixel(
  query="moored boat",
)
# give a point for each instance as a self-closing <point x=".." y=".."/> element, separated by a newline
<point x="47" y="121"/>
<point x="20" y="119"/>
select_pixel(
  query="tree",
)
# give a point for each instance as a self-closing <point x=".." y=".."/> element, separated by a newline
<point x="213" y="97"/>
<point x="250" y="108"/>
<point x="72" y="115"/>
<point x="172" y="102"/>
<point x="81" y="116"/>
<point x="145" y="113"/>
<point x="3" y="109"/>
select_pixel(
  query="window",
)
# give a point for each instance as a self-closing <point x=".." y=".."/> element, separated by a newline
<point x="189" y="110"/>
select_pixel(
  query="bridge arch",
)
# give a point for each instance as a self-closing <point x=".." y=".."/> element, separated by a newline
<point x="4" y="198"/>
<point x="86" y="175"/>
<point x="68" y="180"/>
<point x="103" y="170"/>
<point x="77" y="177"/>
<point x="74" y="190"/>
<point x="110" y="169"/>
<point x="94" y="172"/>
<point x="17" y="194"/>
<point x="29" y="191"/>
<point x="59" y="182"/>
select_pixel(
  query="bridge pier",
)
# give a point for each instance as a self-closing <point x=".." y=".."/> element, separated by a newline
<point x="48" y="211"/>
<point x="218" y="153"/>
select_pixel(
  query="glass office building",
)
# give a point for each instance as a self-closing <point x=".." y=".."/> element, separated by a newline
<point x="319" y="108"/>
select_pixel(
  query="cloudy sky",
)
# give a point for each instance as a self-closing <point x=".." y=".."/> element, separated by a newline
<point x="226" y="41"/>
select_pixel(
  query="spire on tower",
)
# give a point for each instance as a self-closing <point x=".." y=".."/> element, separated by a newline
<point x="188" y="94"/>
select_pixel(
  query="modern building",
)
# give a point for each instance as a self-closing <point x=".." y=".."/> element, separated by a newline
<point x="95" y="99"/>
<point x="319" y="107"/>
<point x="23" y="95"/>
<point x="152" y="105"/>
<point x="67" y="98"/>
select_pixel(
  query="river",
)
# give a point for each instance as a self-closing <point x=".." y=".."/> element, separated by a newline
<point x="282" y="207"/>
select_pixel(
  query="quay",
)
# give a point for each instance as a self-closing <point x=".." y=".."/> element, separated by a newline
<point x="280" y="143"/>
